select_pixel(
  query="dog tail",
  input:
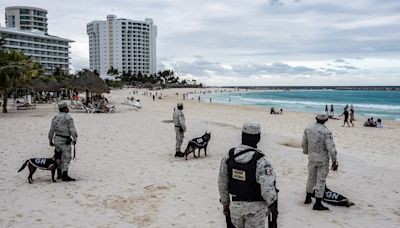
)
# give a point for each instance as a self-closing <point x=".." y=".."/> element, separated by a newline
<point x="23" y="166"/>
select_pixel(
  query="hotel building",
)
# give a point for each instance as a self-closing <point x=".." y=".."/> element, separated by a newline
<point x="24" y="32"/>
<point x="126" y="45"/>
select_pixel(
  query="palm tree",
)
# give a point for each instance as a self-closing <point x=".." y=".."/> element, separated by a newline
<point x="16" y="70"/>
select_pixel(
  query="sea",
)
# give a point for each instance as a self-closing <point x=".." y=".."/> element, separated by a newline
<point x="366" y="103"/>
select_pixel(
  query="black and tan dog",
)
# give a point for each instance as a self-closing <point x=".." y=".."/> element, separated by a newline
<point x="40" y="163"/>
<point x="197" y="143"/>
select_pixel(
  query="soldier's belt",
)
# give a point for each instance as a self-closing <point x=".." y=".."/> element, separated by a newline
<point x="177" y="126"/>
<point x="63" y="136"/>
<point x="236" y="198"/>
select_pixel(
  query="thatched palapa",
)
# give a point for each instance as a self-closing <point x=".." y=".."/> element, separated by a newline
<point x="89" y="82"/>
<point x="41" y="86"/>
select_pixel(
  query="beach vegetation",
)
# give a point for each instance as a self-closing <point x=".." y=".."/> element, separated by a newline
<point x="165" y="78"/>
<point x="16" y="71"/>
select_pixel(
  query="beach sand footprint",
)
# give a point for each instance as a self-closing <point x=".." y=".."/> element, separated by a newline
<point x="140" y="209"/>
<point x="290" y="143"/>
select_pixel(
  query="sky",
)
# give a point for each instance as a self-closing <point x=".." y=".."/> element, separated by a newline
<point x="250" y="43"/>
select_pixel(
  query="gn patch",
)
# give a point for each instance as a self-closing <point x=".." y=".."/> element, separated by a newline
<point x="238" y="174"/>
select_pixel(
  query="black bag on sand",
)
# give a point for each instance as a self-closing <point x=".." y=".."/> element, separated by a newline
<point x="334" y="198"/>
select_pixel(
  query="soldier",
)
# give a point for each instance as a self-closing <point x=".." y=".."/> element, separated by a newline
<point x="248" y="177"/>
<point x="318" y="144"/>
<point x="180" y="128"/>
<point x="61" y="130"/>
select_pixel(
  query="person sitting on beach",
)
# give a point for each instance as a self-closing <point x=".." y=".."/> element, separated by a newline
<point x="367" y="123"/>
<point x="281" y="111"/>
<point x="137" y="104"/>
<point x="372" y="122"/>
<point x="379" y="123"/>
<point x="272" y="110"/>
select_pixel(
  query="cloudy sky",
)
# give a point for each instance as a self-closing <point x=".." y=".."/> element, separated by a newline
<point x="258" y="42"/>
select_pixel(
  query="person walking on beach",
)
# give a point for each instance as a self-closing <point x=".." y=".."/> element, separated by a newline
<point x="318" y="144"/>
<point x="63" y="133"/>
<point x="326" y="109"/>
<point x="248" y="177"/>
<point x="346" y="117"/>
<point x="352" y="116"/>
<point x="180" y="128"/>
<point x="332" y="111"/>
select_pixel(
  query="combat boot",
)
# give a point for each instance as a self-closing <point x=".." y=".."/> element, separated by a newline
<point x="308" y="199"/>
<point x="178" y="154"/>
<point x="66" y="177"/>
<point x="318" y="206"/>
<point x="59" y="174"/>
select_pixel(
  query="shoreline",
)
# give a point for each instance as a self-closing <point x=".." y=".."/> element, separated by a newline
<point x="378" y="111"/>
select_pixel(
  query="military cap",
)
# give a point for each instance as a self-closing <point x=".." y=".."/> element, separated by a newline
<point x="179" y="104"/>
<point x="322" y="116"/>
<point x="63" y="105"/>
<point x="251" y="128"/>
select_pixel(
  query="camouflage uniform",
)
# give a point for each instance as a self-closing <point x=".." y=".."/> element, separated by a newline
<point x="62" y="126"/>
<point x="318" y="144"/>
<point x="248" y="214"/>
<point x="179" y="121"/>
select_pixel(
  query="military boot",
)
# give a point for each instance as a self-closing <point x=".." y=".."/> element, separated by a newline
<point x="59" y="174"/>
<point x="318" y="206"/>
<point x="179" y="154"/>
<point x="308" y="199"/>
<point x="66" y="177"/>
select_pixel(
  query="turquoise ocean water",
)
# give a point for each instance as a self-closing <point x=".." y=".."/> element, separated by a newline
<point x="377" y="104"/>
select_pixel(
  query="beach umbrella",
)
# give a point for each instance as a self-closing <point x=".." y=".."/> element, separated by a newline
<point x="89" y="82"/>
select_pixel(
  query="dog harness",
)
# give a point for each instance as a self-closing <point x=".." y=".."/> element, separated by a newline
<point x="199" y="142"/>
<point x="242" y="183"/>
<point x="42" y="163"/>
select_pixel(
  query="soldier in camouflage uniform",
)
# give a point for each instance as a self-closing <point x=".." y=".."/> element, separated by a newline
<point x="62" y="133"/>
<point x="318" y="144"/>
<point x="248" y="177"/>
<point x="180" y="129"/>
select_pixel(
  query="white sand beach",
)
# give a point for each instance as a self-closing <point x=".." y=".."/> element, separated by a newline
<point x="127" y="175"/>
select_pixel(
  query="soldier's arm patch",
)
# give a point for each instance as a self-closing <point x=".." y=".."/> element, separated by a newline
<point x="268" y="169"/>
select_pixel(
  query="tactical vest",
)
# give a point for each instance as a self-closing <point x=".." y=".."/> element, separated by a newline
<point x="242" y="183"/>
<point x="42" y="163"/>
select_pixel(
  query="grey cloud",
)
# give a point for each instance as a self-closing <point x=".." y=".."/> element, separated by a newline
<point x="339" y="60"/>
<point x="348" y="67"/>
<point x="275" y="2"/>
<point x="204" y="68"/>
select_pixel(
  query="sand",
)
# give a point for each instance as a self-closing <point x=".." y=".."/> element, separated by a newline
<point x="127" y="175"/>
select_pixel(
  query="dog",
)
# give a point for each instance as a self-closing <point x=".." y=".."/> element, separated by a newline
<point x="40" y="163"/>
<point x="197" y="143"/>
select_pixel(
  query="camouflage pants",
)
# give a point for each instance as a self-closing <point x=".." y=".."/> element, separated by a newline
<point x="248" y="214"/>
<point x="317" y="172"/>
<point x="179" y="139"/>
<point x="60" y="145"/>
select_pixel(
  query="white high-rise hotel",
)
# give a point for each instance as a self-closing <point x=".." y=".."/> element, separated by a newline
<point x="126" y="45"/>
<point x="26" y="31"/>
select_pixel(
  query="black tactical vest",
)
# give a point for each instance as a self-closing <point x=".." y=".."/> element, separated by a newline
<point x="242" y="181"/>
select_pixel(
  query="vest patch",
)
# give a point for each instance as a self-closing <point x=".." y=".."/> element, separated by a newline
<point x="239" y="174"/>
